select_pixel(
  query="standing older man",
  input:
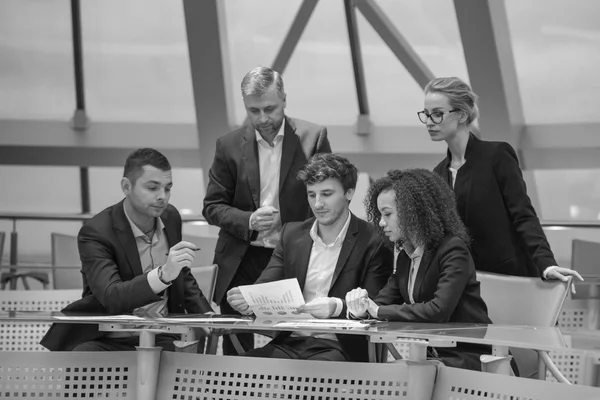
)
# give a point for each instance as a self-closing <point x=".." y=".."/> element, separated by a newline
<point x="252" y="188"/>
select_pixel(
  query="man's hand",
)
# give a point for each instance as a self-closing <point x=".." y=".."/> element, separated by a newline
<point x="321" y="307"/>
<point x="237" y="301"/>
<point x="264" y="218"/>
<point x="181" y="255"/>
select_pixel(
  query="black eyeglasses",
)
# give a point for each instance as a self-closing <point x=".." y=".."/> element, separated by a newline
<point x="436" y="117"/>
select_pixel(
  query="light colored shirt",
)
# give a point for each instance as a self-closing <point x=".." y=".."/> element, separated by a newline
<point x="269" y="164"/>
<point x="415" y="262"/>
<point x="321" y="266"/>
<point x="152" y="252"/>
<point x="453" y="171"/>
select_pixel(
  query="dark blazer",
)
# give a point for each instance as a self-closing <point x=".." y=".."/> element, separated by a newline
<point x="233" y="191"/>
<point x="492" y="200"/>
<point x="364" y="261"/>
<point x="446" y="290"/>
<point x="113" y="281"/>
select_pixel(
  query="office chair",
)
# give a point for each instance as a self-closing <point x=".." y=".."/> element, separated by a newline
<point x="515" y="300"/>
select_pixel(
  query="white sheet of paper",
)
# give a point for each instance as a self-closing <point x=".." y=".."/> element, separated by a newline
<point x="323" y="323"/>
<point x="203" y="320"/>
<point x="279" y="299"/>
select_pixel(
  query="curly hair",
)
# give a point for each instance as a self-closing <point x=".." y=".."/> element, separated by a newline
<point x="425" y="205"/>
<point x="323" y="166"/>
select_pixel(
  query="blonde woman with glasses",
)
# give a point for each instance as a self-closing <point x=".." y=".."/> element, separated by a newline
<point x="491" y="195"/>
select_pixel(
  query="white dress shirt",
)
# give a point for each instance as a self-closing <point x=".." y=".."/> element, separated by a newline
<point x="269" y="164"/>
<point x="321" y="266"/>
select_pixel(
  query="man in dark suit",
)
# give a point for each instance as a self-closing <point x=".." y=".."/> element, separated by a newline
<point x="252" y="188"/>
<point x="133" y="260"/>
<point x="329" y="255"/>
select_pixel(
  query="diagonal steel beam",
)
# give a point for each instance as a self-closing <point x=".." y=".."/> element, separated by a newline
<point x="485" y="34"/>
<point x="293" y="36"/>
<point x="207" y="45"/>
<point x="395" y="41"/>
<point x="357" y="60"/>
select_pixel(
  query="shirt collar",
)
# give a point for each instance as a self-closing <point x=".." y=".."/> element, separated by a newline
<point x="278" y="138"/>
<point x="137" y="232"/>
<point x="338" y="240"/>
<point x="418" y="253"/>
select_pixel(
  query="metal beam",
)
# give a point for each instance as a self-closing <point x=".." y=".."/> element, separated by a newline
<point x="208" y="50"/>
<point x="293" y="36"/>
<point x="484" y="30"/>
<point x="357" y="60"/>
<point x="395" y="41"/>
<point x="108" y="144"/>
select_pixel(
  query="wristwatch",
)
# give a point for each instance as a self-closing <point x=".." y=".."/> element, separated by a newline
<point x="160" y="276"/>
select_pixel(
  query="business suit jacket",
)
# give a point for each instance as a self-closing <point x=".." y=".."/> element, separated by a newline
<point x="113" y="279"/>
<point x="233" y="191"/>
<point x="364" y="261"/>
<point x="445" y="290"/>
<point x="492" y="200"/>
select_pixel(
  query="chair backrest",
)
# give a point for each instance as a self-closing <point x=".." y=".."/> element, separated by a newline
<point x="66" y="265"/>
<point x="64" y="250"/>
<point x="24" y="335"/>
<point x="37" y="300"/>
<point x="516" y="300"/>
<point x="206" y="276"/>
<point x="207" y="246"/>
<point x="585" y="257"/>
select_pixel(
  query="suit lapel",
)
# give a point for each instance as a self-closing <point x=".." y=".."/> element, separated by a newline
<point x="124" y="233"/>
<point x="347" y="247"/>
<point x="170" y="229"/>
<point x="423" y="267"/>
<point x="303" y="247"/>
<point x="290" y="143"/>
<point x="250" y="157"/>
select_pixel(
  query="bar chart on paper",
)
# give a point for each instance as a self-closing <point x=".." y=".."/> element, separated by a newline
<point x="278" y="299"/>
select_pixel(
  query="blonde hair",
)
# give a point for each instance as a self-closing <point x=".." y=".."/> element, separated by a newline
<point x="460" y="95"/>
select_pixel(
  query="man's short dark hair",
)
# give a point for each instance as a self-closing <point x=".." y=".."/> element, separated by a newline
<point x="323" y="166"/>
<point x="136" y="161"/>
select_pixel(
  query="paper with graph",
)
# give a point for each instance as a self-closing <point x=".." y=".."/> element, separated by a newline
<point x="278" y="299"/>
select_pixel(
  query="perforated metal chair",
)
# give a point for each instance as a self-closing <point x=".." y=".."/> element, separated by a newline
<point x="23" y="335"/>
<point x="515" y="300"/>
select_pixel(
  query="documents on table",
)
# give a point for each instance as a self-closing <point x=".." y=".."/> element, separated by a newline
<point x="279" y="299"/>
<point x="322" y="323"/>
<point x="204" y="320"/>
<point x="103" y="318"/>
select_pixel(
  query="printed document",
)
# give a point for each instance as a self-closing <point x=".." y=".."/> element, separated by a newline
<point x="279" y="299"/>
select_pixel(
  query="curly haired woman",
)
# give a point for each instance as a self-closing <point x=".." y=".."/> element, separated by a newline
<point x="435" y="277"/>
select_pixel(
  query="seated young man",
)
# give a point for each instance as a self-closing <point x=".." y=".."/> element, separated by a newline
<point x="435" y="278"/>
<point x="329" y="254"/>
<point x="132" y="260"/>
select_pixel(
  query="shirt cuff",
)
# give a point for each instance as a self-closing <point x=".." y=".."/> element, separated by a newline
<point x="373" y="312"/>
<point x="547" y="270"/>
<point x="339" y="306"/>
<point x="155" y="284"/>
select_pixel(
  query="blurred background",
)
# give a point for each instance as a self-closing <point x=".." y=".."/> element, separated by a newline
<point x="82" y="87"/>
